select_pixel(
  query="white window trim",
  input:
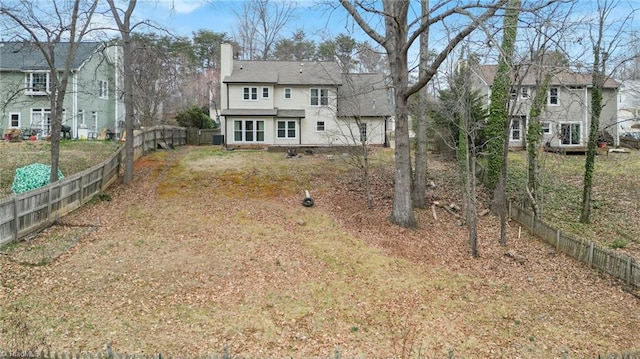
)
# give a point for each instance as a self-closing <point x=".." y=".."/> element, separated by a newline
<point x="103" y="89"/>
<point x="19" y="119"/>
<point x="545" y="129"/>
<point x="524" y="93"/>
<point x="81" y="117"/>
<point x="284" y="94"/>
<point x="29" y="83"/>
<point x="320" y="90"/>
<point x="262" y="93"/>
<point x="324" y="126"/>
<point x="511" y="130"/>
<point x="557" y="96"/>
<point x="251" y="88"/>
<point x="579" y="132"/>
<point x="286" y="130"/>
<point x="44" y="125"/>
<point x="254" y="131"/>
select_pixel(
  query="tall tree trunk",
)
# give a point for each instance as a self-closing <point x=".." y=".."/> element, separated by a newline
<point x="500" y="122"/>
<point x="124" y="27"/>
<point x="466" y="164"/>
<point x="396" y="27"/>
<point x="534" y="141"/>
<point x="420" y="175"/>
<point x="596" y="110"/>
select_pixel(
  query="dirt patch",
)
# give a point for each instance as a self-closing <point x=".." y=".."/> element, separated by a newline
<point x="187" y="261"/>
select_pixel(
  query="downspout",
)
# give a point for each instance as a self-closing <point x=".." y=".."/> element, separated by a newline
<point x="115" y="91"/>
<point x="74" y="106"/>
<point x="225" y="117"/>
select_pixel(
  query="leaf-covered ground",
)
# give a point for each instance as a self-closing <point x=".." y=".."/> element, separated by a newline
<point x="211" y="250"/>
<point x="616" y="196"/>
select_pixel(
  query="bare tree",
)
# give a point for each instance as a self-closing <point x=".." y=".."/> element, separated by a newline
<point x="260" y="25"/>
<point x="46" y="26"/>
<point x="420" y="175"/>
<point x="123" y="22"/>
<point x="363" y="101"/>
<point x="460" y="113"/>
<point x="399" y="36"/>
<point x="500" y="106"/>
<point x="606" y="34"/>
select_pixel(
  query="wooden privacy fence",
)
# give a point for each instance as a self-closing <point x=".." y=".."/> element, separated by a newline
<point x="28" y="212"/>
<point x="621" y="266"/>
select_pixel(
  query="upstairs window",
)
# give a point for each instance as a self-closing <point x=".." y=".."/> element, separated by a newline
<point x="103" y="89"/>
<point x="287" y="94"/>
<point x="319" y="97"/>
<point x="320" y="126"/>
<point x="513" y="93"/>
<point x="250" y="93"/>
<point x="265" y="92"/>
<point x="553" y="99"/>
<point x="38" y="83"/>
<point x="524" y="93"/>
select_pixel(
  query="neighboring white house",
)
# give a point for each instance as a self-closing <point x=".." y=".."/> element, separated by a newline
<point x="567" y="114"/>
<point x="629" y="107"/>
<point x="91" y="104"/>
<point x="289" y="104"/>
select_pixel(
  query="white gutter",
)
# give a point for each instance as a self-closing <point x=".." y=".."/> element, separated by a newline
<point x="74" y="105"/>
<point x="115" y="91"/>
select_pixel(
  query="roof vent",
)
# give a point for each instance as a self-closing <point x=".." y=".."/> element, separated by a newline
<point x="240" y="67"/>
<point x="300" y="70"/>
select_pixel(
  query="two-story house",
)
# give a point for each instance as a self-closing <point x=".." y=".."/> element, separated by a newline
<point x="566" y="116"/>
<point x="91" y="105"/>
<point x="290" y="104"/>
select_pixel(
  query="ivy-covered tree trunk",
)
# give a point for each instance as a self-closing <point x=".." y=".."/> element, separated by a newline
<point x="596" y="109"/>
<point x="499" y="124"/>
<point x="500" y="89"/>
<point x="534" y="140"/>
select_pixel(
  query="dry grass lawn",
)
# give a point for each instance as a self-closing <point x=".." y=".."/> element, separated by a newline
<point x="211" y="250"/>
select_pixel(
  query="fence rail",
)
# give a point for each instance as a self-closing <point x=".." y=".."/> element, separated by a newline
<point x="621" y="266"/>
<point x="28" y="212"/>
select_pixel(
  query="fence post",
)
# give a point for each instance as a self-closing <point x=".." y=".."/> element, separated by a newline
<point x="533" y="223"/>
<point x="590" y="258"/>
<point x="15" y="217"/>
<point x="81" y="195"/>
<point x="49" y="203"/>
<point x="628" y="279"/>
<point x="557" y="240"/>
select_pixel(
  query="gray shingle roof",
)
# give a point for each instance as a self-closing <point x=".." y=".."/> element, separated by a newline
<point x="249" y="112"/>
<point x="22" y="56"/>
<point x="364" y="95"/>
<point x="285" y="73"/>
<point x="561" y="77"/>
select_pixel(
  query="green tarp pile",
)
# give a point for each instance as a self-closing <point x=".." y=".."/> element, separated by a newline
<point x="31" y="177"/>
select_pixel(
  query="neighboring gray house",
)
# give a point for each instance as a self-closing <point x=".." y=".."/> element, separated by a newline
<point x="567" y="115"/>
<point x="629" y="107"/>
<point x="91" y="104"/>
<point x="289" y="103"/>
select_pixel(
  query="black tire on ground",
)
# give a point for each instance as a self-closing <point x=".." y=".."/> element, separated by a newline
<point x="307" y="202"/>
